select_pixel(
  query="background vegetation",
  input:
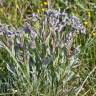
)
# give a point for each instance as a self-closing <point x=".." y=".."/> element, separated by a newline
<point x="51" y="73"/>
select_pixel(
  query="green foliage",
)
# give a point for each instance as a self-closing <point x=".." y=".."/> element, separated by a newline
<point x="48" y="73"/>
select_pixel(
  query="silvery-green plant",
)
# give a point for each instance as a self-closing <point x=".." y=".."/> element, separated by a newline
<point x="40" y="57"/>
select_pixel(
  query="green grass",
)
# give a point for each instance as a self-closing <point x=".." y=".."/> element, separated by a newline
<point x="52" y="74"/>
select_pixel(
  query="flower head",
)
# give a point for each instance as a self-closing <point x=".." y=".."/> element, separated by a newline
<point x="85" y="22"/>
<point x="45" y="3"/>
<point x="93" y="33"/>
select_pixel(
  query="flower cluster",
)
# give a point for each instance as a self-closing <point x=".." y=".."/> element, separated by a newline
<point x="77" y="25"/>
<point x="62" y="21"/>
<point x="54" y="22"/>
<point x="12" y="32"/>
